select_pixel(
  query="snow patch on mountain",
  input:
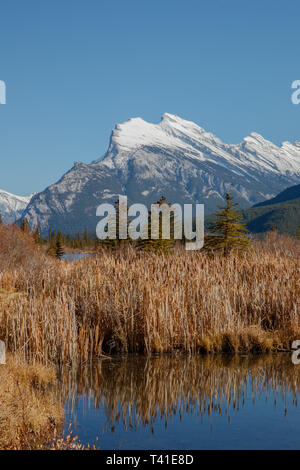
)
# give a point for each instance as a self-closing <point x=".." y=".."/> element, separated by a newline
<point x="176" y="158"/>
<point x="179" y="135"/>
<point x="12" y="206"/>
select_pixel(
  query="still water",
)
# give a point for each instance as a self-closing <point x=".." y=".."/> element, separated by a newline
<point x="75" y="256"/>
<point x="182" y="402"/>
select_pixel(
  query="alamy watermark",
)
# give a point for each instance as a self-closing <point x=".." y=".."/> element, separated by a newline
<point x="296" y="352"/>
<point x="2" y="92"/>
<point x="296" y="94"/>
<point x="133" y="222"/>
<point x="2" y="353"/>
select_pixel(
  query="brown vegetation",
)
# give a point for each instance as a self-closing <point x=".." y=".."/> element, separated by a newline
<point x="128" y="301"/>
<point x="30" y="412"/>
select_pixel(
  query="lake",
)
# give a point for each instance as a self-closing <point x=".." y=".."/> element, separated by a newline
<point x="75" y="256"/>
<point x="186" y="402"/>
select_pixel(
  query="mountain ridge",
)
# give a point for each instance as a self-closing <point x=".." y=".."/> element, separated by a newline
<point x="281" y="213"/>
<point x="289" y="194"/>
<point x="12" y="206"/>
<point x="176" y="158"/>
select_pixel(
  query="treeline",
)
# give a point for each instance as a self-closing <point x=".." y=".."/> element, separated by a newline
<point x="225" y="233"/>
<point x="80" y="241"/>
<point x="56" y="241"/>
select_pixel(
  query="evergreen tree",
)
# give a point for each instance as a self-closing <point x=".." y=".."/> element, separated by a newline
<point x="37" y="235"/>
<point x="59" y="252"/>
<point x="114" y="243"/>
<point x="24" y="226"/>
<point x="79" y="241"/>
<point x="52" y="239"/>
<point x="60" y="236"/>
<point x="230" y="232"/>
<point x="1" y="221"/>
<point x="159" y="244"/>
<point x="86" y="237"/>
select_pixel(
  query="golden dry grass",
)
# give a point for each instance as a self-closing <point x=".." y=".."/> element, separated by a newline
<point x="130" y="301"/>
<point x="30" y="411"/>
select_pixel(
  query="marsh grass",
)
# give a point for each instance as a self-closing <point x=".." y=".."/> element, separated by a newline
<point x="30" y="411"/>
<point x="130" y="301"/>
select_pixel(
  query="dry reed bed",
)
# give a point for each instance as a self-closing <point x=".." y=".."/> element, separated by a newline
<point x="131" y="301"/>
<point x="30" y="411"/>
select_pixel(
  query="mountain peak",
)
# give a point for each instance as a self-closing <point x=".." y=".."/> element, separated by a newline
<point x="136" y="132"/>
<point x="257" y="139"/>
<point x="174" y="157"/>
<point x="12" y="206"/>
<point x="171" y="118"/>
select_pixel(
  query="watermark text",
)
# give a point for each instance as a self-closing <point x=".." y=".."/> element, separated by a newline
<point x="296" y="94"/>
<point x="2" y="92"/>
<point x="133" y="222"/>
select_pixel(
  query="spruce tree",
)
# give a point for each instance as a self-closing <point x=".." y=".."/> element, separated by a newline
<point x="86" y="237"/>
<point x="159" y="244"/>
<point x="37" y="236"/>
<point x="230" y="233"/>
<point x="53" y="239"/>
<point x="114" y="243"/>
<point x="59" y="252"/>
<point x="79" y="241"/>
<point x="24" y="226"/>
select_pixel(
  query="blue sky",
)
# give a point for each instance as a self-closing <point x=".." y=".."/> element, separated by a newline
<point x="73" y="69"/>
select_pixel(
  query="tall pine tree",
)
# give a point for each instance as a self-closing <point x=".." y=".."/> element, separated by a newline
<point x="59" y="252"/>
<point x="37" y="235"/>
<point x="230" y="233"/>
<point x="24" y="226"/>
<point x="114" y="243"/>
<point x="159" y="244"/>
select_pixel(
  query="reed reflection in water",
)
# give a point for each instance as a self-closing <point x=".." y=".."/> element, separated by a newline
<point x="184" y="401"/>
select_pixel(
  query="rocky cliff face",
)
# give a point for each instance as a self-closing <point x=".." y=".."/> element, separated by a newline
<point x="175" y="158"/>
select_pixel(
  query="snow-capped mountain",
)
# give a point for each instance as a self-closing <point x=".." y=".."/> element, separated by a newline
<point x="175" y="158"/>
<point x="12" y="206"/>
